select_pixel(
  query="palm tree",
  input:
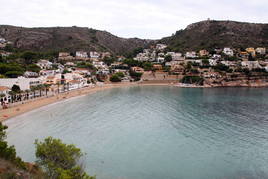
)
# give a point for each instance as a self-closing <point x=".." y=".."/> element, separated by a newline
<point x="46" y="86"/>
<point x="27" y="94"/>
<point x="58" y="84"/>
<point x="33" y="89"/>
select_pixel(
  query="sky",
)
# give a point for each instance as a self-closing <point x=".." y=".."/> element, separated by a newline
<point x="147" y="19"/>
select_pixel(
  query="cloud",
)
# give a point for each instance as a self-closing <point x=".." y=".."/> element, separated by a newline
<point x="129" y="18"/>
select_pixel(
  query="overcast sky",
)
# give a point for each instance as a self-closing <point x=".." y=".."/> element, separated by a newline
<point x="150" y="19"/>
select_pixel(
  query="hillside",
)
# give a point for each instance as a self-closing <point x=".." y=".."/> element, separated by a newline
<point x="201" y="35"/>
<point x="69" y="38"/>
<point x="210" y="34"/>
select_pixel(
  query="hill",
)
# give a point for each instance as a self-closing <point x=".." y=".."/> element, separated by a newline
<point x="211" y="34"/>
<point x="208" y="34"/>
<point x="69" y="38"/>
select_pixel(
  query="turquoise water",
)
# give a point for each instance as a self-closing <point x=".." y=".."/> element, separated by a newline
<point x="157" y="132"/>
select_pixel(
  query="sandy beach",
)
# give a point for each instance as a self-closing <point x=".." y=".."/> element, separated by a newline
<point x="27" y="106"/>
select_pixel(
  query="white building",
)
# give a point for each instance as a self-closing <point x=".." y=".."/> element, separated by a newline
<point x="30" y="74"/>
<point x="176" y="56"/>
<point x="228" y="51"/>
<point x="44" y="64"/>
<point x="160" y="60"/>
<point x="216" y="56"/>
<point x="190" y="54"/>
<point x="161" y="46"/>
<point x="2" y="40"/>
<point x="81" y="54"/>
<point x="213" y="62"/>
<point x="22" y="82"/>
<point x="251" y="64"/>
<point x="143" y="57"/>
<point x="94" y="55"/>
<point x="99" y="64"/>
<point x="261" y="50"/>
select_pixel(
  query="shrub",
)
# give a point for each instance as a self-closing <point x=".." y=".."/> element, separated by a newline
<point x="60" y="160"/>
<point x="193" y="80"/>
<point x="115" y="78"/>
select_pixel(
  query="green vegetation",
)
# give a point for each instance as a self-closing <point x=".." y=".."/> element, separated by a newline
<point x="33" y="68"/>
<point x="168" y="58"/>
<point x="85" y="65"/>
<point x="8" y="152"/>
<point x="109" y="60"/>
<point x="11" y="70"/>
<point x="193" y="80"/>
<point x="115" y="78"/>
<point x="135" y="75"/>
<point x="60" y="160"/>
<point x="132" y="63"/>
<point x="148" y="66"/>
<point x="221" y="67"/>
<point x="15" y="89"/>
<point x="120" y="74"/>
<point x="134" y="52"/>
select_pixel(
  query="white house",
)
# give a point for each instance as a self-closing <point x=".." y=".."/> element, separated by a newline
<point x="213" y="62"/>
<point x="216" y="56"/>
<point x="228" y="51"/>
<point x="251" y="64"/>
<point x="190" y="54"/>
<point x="94" y="55"/>
<point x="143" y="57"/>
<point x="161" y="46"/>
<point x="81" y="54"/>
<point x="44" y="64"/>
<point x="176" y="56"/>
<point x="22" y="82"/>
<point x="160" y="60"/>
<point x="261" y="50"/>
<point x="99" y="64"/>
<point x="2" y="40"/>
<point x="30" y="74"/>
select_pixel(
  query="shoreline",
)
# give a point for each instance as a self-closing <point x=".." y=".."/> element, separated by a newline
<point x="27" y="106"/>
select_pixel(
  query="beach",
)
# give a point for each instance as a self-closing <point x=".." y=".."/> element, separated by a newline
<point x="26" y="106"/>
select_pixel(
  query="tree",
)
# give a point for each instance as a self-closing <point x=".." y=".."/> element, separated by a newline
<point x="60" y="160"/>
<point x="47" y="86"/>
<point x="29" y="57"/>
<point x="168" y="58"/>
<point x="205" y="62"/>
<point x="8" y="152"/>
<point x="33" y="68"/>
<point x="147" y="66"/>
<point x="120" y="74"/>
<point x="115" y="78"/>
<point x="109" y="60"/>
<point x="16" y="88"/>
<point x="135" y="75"/>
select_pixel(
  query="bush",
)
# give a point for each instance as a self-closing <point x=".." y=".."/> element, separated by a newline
<point x="9" y="152"/>
<point x="120" y="74"/>
<point x="60" y="160"/>
<point x="136" y="76"/>
<point x="193" y="80"/>
<point x="13" y="74"/>
<point x="115" y="78"/>
<point x="221" y="67"/>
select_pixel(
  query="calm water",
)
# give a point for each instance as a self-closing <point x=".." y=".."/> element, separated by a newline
<point x="157" y="132"/>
